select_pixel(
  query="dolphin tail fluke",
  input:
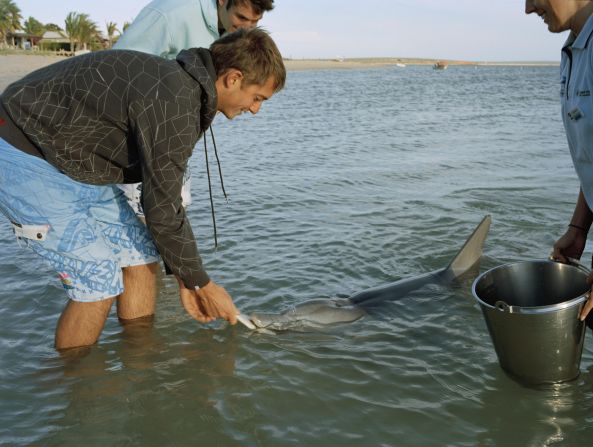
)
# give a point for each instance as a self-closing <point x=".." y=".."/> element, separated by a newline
<point x="471" y="251"/>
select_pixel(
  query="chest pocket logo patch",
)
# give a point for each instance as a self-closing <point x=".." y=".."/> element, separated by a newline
<point x="575" y="114"/>
<point x="584" y="93"/>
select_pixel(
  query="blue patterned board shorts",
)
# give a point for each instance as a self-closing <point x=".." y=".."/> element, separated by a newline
<point x="87" y="233"/>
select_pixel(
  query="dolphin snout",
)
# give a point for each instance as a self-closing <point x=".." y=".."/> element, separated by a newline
<point x="256" y="320"/>
<point x="265" y="321"/>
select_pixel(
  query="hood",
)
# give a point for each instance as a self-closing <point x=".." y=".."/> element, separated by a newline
<point x="197" y="63"/>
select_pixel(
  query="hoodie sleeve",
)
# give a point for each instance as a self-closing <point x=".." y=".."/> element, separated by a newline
<point x="165" y="134"/>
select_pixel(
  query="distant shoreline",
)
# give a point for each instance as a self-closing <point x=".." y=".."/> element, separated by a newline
<point x="13" y="66"/>
<point x="321" y="64"/>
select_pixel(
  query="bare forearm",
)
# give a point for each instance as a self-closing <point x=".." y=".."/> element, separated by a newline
<point x="582" y="216"/>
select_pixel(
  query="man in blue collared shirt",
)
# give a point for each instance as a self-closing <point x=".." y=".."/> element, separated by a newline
<point x="576" y="87"/>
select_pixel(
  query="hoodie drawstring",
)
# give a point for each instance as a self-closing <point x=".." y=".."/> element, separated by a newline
<point x="210" y="183"/>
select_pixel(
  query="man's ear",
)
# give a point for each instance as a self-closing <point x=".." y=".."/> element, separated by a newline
<point x="232" y="77"/>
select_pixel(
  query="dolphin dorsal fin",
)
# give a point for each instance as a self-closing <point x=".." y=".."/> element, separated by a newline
<point x="471" y="251"/>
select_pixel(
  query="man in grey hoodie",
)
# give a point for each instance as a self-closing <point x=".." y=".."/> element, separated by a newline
<point x="71" y="131"/>
<point x="165" y="27"/>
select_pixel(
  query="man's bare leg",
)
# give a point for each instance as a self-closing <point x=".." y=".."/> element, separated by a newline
<point x="81" y="323"/>
<point x="138" y="299"/>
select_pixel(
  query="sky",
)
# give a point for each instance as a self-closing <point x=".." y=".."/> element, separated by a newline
<point x="474" y="30"/>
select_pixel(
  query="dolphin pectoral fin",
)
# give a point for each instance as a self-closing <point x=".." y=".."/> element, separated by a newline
<point x="341" y="301"/>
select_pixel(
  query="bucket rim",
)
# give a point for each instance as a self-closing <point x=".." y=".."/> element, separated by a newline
<point x="528" y="309"/>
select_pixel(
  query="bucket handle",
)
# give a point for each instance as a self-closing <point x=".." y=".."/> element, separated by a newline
<point x="504" y="307"/>
<point x="578" y="264"/>
<point x="575" y="263"/>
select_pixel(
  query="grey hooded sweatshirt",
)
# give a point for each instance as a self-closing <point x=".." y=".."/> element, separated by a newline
<point x="122" y="116"/>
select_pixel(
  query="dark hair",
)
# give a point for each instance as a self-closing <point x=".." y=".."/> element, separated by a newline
<point x="253" y="53"/>
<point x="258" y="6"/>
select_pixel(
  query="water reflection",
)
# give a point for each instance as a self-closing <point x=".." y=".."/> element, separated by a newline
<point x="153" y="386"/>
<point x="517" y="415"/>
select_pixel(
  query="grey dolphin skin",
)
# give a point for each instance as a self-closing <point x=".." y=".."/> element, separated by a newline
<point x="316" y="314"/>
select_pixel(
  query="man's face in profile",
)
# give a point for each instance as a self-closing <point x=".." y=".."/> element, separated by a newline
<point x="239" y="15"/>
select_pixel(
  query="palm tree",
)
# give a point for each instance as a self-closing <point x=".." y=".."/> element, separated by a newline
<point x="81" y="29"/>
<point x="87" y="31"/>
<point x="71" y="27"/>
<point x="10" y="19"/>
<point x="34" y="27"/>
<point x="111" y="30"/>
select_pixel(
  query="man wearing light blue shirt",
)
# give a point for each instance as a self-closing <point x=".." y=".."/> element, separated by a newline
<point x="165" y="27"/>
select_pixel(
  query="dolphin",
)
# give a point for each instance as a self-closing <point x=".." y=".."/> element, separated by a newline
<point x="320" y="313"/>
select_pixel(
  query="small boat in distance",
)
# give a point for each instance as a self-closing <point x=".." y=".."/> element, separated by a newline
<point x="400" y="65"/>
<point x="440" y="65"/>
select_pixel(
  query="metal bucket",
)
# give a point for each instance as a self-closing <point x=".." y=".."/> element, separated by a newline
<point x="531" y="310"/>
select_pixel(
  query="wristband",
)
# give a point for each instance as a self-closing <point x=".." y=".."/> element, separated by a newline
<point x="578" y="227"/>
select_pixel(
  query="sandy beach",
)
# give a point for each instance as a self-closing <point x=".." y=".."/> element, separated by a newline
<point x="15" y="66"/>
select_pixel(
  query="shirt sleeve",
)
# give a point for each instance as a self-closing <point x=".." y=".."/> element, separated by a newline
<point x="165" y="134"/>
<point x="148" y="33"/>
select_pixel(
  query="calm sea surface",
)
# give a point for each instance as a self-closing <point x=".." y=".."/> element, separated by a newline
<point x="347" y="179"/>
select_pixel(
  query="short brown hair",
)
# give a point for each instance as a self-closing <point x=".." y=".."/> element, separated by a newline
<point x="258" y="6"/>
<point x="253" y="53"/>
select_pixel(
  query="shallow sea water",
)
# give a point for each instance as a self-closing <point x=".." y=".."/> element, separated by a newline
<point x="345" y="180"/>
